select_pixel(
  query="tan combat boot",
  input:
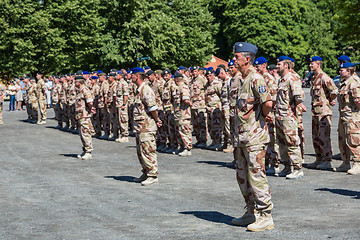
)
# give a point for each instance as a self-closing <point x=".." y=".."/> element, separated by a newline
<point x="246" y="219"/>
<point x="149" y="181"/>
<point x="295" y="174"/>
<point x="86" y="156"/>
<point x="229" y="149"/>
<point x="263" y="221"/>
<point x="355" y="169"/>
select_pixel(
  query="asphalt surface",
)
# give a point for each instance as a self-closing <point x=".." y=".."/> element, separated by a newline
<point x="47" y="193"/>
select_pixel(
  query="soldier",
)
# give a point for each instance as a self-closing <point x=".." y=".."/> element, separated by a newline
<point x="84" y="109"/>
<point x="33" y="99"/>
<point x="2" y="96"/>
<point x="273" y="71"/>
<point x="71" y="97"/>
<point x="213" y="109"/>
<point x="182" y="113"/>
<point x="63" y="102"/>
<point x="323" y="93"/>
<point x="104" y="112"/>
<point x="41" y="96"/>
<point x="55" y="96"/>
<point x="146" y="121"/>
<point x="349" y="122"/>
<point x="289" y="96"/>
<point x="182" y="71"/>
<point x="272" y="149"/>
<point x="26" y="99"/>
<point x="198" y="107"/>
<point x="225" y="107"/>
<point x="132" y="89"/>
<point x="251" y="136"/>
<point x="95" y="89"/>
<point x="111" y="106"/>
<point x="122" y="94"/>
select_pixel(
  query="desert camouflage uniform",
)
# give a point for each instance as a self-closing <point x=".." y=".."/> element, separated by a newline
<point x="33" y="99"/>
<point x="41" y="88"/>
<point x="71" y="98"/>
<point x="213" y="109"/>
<point x="104" y="115"/>
<point x="27" y="101"/>
<point x="198" y="108"/>
<point x="250" y="139"/>
<point x="289" y="91"/>
<point x="132" y="89"/>
<point x="158" y="87"/>
<point x="83" y="116"/>
<point x="95" y="89"/>
<point x="122" y="114"/>
<point x="169" y="121"/>
<point x="63" y="103"/>
<point x="182" y="114"/>
<point x="145" y="128"/>
<point x="111" y="105"/>
<point x="55" y="96"/>
<point x="186" y="80"/>
<point x="225" y="112"/>
<point x="321" y="90"/>
<point x="349" y="122"/>
<point x="272" y="149"/>
<point x="2" y="92"/>
<point x="233" y="94"/>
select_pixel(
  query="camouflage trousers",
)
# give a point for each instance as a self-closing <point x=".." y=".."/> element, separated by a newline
<point x="251" y="177"/>
<point x="214" y="125"/>
<point x="34" y="110"/>
<point x="114" y="120"/>
<point x="1" y="112"/>
<point x="96" y="121"/>
<point x="349" y="141"/>
<point x="272" y="148"/>
<point x="198" y="118"/>
<point x="71" y="115"/>
<point x="28" y="109"/>
<point x="232" y="123"/>
<point x="42" y="105"/>
<point x="123" y="120"/>
<point x="57" y="110"/>
<point x="170" y="127"/>
<point x="321" y="129"/>
<point x="104" y="119"/>
<point x="183" y="129"/>
<point x="146" y="152"/>
<point x="289" y="142"/>
<point x="161" y="132"/>
<point x="301" y="135"/>
<point x="64" y="113"/>
<point x="86" y="130"/>
<point x="131" y="116"/>
<point x="225" y="127"/>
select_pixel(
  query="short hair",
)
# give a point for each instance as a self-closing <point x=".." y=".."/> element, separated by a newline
<point x="249" y="54"/>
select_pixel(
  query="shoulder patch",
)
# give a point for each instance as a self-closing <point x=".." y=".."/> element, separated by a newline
<point x="262" y="89"/>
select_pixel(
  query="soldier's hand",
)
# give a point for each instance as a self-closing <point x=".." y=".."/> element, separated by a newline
<point x="123" y="107"/>
<point x="269" y="119"/>
<point x="333" y="102"/>
<point x="93" y="110"/>
<point x="159" y="123"/>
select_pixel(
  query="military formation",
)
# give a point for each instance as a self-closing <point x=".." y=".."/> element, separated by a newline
<point x="248" y="108"/>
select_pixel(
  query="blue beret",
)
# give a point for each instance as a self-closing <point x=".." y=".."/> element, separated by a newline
<point x="128" y="71"/>
<point x="182" y="68"/>
<point x="137" y="70"/>
<point x="291" y="59"/>
<point x="85" y="72"/>
<point x="99" y="71"/>
<point x="146" y="67"/>
<point x="94" y="77"/>
<point x="231" y="63"/>
<point x="315" y="58"/>
<point x="283" y="58"/>
<point x="113" y="70"/>
<point x="210" y="68"/>
<point x="245" y="47"/>
<point x="211" y="71"/>
<point x="260" y="60"/>
<point x="346" y="65"/>
<point x="119" y="72"/>
<point x="344" y="58"/>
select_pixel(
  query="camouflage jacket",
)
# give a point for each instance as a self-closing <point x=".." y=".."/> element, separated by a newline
<point x="186" y="80"/>
<point x="121" y="91"/>
<point x="233" y="92"/>
<point x="250" y="125"/>
<point x="132" y="90"/>
<point x="103" y="93"/>
<point x="224" y="95"/>
<point x="55" y="93"/>
<point x="33" y="93"/>
<point x="322" y="88"/>
<point x="289" y="91"/>
<point x="71" y="93"/>
<point x="212" y="95"/>
<point x="197" y="91"/>
<point x="95" y="89"/>
<point x="144" y="103"/>
<point x="158" y="87"/>
<point x="169" y="87"/>
<point x="63" y="95"/>
<point x="272" y="85"/>
<point x="349" y="94"/>
<point x="40" y="90"/>
<point x="111" y="94"/>
<point x="2" y="91"/>
<point x="180" y="95"/>
<point x="83" y="97"/>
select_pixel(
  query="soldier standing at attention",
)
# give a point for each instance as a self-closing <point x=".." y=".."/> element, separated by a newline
<point x="63" y="101"/>
<point x="2" y="96"/>
<point x="83" y="110"/>
<point x="104" y="113"/>
<point x="111" y="106"/>
<point x="41" y="96"/>
<point x="33" y="99"/>
<point x="349" y="122"/>
<point x="182" y="113"/>
<point x="272" y="149"/>
<point x="71" y="97"/>
<point x="146" y="121"/>
<point x="274" y="72"/>
<point x="323" y="93"/>
<point x="122" y="95"/>
<point x="251" y="137"/>
<point x="95" y="89"/>
<point x="55" y="96"/>
<point x="289" y="95"/>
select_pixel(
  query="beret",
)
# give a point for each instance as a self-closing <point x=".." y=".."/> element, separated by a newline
<point x="158" y="71"/>
<point x="315" y="58"/>
<point x="260" y="60"/>
<point x="146" y="67"/>
<point x="119" y="72"/>
<point x="149" y="72"/>
<point x="182" y="68"/>
<point x="272" y="66"/>
<point x="128" y="71"/>
<point x="231" y="63"/>
<point x="73" y="74"/>
<point x="221" y="66"/>
<point x="113" y="70"/>
<point x="245" y="47"/>
<point x="80" y="72"/>
<point x="177" y="75"/>
<point x="99" y="71"/>
<point x="112" y="74"/>
<point x="166" y="71"/>
<point x="94" y="77"/>
<point x="137" y="70"/>
<point x="210" y="68"/>
<point x="291" y="59"/>
<point x="85" y="72"/>
<point x="62" y="76"/>
<point x="201" y="68"/>
<point x="102" y="74"/>
<point x="283" y="58"/>
<point x="218" y="71"/>
<point x="211" y="71"/>
<point x="194" y="68"/>
<point x="67" y="75"/>
<point x="346" y="65"/>
<point x="79" y="78"/>
<point x="344" y="58"/>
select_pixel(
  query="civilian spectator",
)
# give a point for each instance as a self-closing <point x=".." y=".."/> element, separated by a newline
<point x="12" y="93"/>
<point x="19" y="95"/>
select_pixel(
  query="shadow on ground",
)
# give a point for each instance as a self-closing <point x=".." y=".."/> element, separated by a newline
<point x="122" y="178"/>
<point x="344" y="192"/>
<point x="69" y="155"/>
<point x="212" y="216"/>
